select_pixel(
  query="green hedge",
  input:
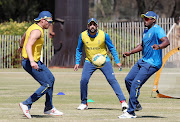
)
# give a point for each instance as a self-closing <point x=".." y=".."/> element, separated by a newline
<point x="13" y="27"/>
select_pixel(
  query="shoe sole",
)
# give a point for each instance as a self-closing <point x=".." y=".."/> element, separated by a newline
<point x="53" y="115"/>
<point x="127" y="117"/>
<point x="22" y="111"/>
<point x="82" y="109"/>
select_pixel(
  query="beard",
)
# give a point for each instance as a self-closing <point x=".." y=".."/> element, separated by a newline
<point x="92" y="30"/>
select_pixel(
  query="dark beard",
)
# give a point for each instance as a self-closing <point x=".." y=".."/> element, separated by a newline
<point x="94" y="30"/>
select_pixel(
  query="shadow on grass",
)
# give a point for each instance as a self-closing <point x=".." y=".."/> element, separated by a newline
<point x="150" y="117"/>
<point x="105" y="108"/>
<point x="39" y="116"/>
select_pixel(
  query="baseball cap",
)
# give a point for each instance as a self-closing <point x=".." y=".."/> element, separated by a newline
<point x="92" y="20"/>
<point x="44" y="15"/>
<point x="149" y="14"/>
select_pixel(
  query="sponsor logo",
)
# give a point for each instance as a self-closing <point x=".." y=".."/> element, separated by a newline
<point x="98" y="41"/>
<point x="138" y="81"/>
<point x="93" y="48"/>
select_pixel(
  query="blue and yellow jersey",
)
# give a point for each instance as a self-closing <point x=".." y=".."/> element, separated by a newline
<point x="36" y="48"/>
<point x="95" y="44"/>
<point x="150" y="37"/>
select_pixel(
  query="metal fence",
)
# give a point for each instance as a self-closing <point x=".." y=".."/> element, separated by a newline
<point x="124" y="35"/>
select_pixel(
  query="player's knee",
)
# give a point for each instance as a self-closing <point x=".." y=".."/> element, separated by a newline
<point x="53" y="79"/>
<point x="112" y="80"/>
<point x="84" y="81"/>
<point x="127" y="80"/>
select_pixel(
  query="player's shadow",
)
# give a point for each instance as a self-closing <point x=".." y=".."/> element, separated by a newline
<point x="41" y="116"/>
<point x="150" y="117"/>
<point x="105" y="108"/>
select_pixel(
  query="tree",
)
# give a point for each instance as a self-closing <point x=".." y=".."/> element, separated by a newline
<point x="23" y="10"/>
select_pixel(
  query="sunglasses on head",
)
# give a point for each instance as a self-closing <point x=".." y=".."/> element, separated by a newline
<point x="147" y="19"/>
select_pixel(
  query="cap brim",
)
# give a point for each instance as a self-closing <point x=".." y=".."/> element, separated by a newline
<point x="92" y="21"/>
<point x="143" y="15"/>
<point x="37" y="19"/>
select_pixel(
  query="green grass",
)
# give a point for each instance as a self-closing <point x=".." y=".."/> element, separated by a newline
<point x="16" y="86"/>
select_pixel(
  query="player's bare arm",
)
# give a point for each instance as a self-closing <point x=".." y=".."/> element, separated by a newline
<point x="164" y="44"/>
<point x="22" y="43"/>
<point x="76" y="67"/>
<point x="119" y="65"/>
<point x="35" y="34"/>
<point x="135" y="50"/>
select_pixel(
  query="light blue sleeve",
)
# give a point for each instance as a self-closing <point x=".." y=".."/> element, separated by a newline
<point x="79" y="50"/>
<point x="111" y="48"/>
<point x="160" y="33"/>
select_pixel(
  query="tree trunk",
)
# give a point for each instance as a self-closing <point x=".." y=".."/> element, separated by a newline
<point x="74" y="14"/>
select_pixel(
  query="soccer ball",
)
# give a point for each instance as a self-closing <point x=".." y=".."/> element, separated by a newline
<point x="98" y="60"/>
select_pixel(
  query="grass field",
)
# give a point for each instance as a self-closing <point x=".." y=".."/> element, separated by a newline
<point x="16" y="86"/>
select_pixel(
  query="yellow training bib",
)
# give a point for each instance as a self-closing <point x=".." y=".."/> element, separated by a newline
<point x="94" y="45"/>
<point x="36" y="48"/>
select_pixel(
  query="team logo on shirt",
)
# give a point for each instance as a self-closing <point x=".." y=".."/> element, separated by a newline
<point x="149" y="35"/>
<point x="93" y="48"/>
<point x="98" y="41"/>
<point x="144" y="35"/>
<point x="86" y="42"/>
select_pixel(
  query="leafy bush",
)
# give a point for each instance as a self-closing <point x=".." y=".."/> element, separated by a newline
<point x="14" y="28"/>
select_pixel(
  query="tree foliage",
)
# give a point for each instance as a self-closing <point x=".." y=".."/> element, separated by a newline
<point x="13" y="27"/>
<point x="130" y="10"/>
<point x="23" y="10"/>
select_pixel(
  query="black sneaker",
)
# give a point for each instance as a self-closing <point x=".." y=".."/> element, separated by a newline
<point x="138" y="107"/>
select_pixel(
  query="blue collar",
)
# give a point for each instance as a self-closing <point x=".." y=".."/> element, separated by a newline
<point x="92" y="36"/>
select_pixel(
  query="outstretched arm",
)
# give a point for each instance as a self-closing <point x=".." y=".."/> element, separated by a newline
<point x="135" y="50"/>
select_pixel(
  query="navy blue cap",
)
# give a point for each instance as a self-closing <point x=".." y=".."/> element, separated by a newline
<point x="43" y="15"/>
<point x="92" y="20"/>
<point x="149" y="14"/>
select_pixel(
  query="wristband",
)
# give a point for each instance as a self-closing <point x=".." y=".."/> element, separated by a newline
<point x="21" y="47"/>
<point x="32" y="61"/>
<point x="159" y="47"/>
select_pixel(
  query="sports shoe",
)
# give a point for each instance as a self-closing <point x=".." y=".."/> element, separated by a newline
<point x="126" y="115"/>
<point x="82" y="107"/>
<point x="124" y="107"/>
<point x="138" y="107"/>
<point x="54" y="112"/>
<point x="25" y="110"/>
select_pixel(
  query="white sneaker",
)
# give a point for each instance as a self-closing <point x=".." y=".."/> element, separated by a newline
<point x="126" y="115"/>
<point x="82" y="107"/>
<point x="25" y="110"/>
<point x="54" y="112"/>
<point x="124" y="106"/>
